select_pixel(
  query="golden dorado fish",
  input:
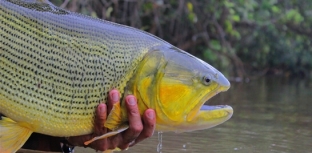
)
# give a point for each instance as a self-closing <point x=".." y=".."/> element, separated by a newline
<point x="56" y="67"/>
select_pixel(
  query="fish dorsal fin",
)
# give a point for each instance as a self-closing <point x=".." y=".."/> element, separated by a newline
<point x="40" y="6"/>
<point x="38" y="1"/>
<point x="109" y="134"/>
<point x="12" y="135"/>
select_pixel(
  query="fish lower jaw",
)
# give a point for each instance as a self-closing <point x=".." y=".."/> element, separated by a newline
<point x="217" y="111"/>
<point x="215" y="107"/>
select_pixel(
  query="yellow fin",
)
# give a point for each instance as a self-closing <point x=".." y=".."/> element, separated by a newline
<point x="108" y="151"/>
<point x="12" y="135"/>
<point x="111" y="151"/>
<point x="118" y="130"/>
<point x="114" y="118"/>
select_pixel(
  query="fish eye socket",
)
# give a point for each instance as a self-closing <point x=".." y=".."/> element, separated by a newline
<point x="207" y="80"/>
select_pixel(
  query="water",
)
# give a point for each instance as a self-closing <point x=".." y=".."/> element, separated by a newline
<point x="271" y="115"/>
<point x="159" y="146"/>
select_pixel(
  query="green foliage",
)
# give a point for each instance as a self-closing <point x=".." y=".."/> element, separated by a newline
<point x="243" y="37"/>
<point x="293" y="16"/>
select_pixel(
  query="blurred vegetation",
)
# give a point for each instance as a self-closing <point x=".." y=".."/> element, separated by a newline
<point x="244" y="38"/>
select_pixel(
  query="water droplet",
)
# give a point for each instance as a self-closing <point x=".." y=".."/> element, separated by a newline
<point x="159" y="146"/>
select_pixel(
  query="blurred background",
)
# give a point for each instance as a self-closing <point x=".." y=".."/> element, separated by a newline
<point x="262" y="46"/>
<point x="242" y="38"/>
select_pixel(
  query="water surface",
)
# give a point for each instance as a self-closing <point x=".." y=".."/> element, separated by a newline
<point x="271" y="115"/>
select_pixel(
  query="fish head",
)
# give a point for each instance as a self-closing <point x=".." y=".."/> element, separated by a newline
<point x="177" y="84"/>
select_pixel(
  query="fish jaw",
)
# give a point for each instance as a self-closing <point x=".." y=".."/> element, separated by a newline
<point x="172" y="82"/>
<point x="222" y="86"/>
<point x="200" y="117"/>
<point x="207" y="117"/>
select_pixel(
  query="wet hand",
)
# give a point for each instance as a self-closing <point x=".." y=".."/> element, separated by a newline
<point x="139" y="128"/>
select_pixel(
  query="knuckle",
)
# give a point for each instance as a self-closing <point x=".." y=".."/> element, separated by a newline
<point x="114" y="142"/>
<point x="147" y="135"/>
<point x="99" y="146"/>
<point x="123" y="147"/>
<point x="112" y="146"/>
<point x="134" y="112"/>
<point x="138" y="128"/>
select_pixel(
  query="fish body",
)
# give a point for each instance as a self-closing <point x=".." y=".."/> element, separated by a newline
<point x="56" y="67"/>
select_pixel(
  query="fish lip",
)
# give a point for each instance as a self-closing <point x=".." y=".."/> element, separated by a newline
<point x="214" y="107"/>
<point x="226" y="108"/>
<point x="204" y="100"/>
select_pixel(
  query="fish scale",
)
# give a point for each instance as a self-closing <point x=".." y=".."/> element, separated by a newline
<point x="57" y="66"/>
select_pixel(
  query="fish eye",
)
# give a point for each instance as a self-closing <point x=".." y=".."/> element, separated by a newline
<point x="207" y="80"/>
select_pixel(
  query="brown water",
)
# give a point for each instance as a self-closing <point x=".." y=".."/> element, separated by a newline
<point x="271" y="115"/>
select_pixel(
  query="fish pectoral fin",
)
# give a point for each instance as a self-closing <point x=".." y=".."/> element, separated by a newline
<point x="111" y="151"/>
<point x="114" y="118"/>
<point x="109" y="134"/>
<point x="113" y="122"/>
<point x="108" y="151"/>
<point x="12" y="135"/>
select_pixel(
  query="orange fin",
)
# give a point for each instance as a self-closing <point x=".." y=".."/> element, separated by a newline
<point x="118" y="130"/>
<point x="12" y="135"/>
<point x="109" y="134"/>
<point x="114" y="118"/>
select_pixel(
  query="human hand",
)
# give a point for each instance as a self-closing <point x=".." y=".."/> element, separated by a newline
<point x="139" y="129"/>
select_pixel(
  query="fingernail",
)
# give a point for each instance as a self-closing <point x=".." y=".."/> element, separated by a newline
<point x="102" y="109"/>
<point x="115" y="97"/>
<point x="131" y="101"/>
<point x="150" y="114"/>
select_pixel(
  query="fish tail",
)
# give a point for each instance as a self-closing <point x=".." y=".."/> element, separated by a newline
<point x="12" y="135"/>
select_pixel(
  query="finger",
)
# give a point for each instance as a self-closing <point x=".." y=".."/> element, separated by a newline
<point x="135" y="122"/>
<point x="79" y="140"/>
<point x="100" y="119"/>
<point x="114" y="97"/>
<point x="100" y="145"/>
<point x="149" y="121"/>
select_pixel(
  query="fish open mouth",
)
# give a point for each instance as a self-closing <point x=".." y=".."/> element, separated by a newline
<point x="207" y="116"/>
<point x="225" y="109"/>
<point x="208" y="107"/>
<point x="213" y="112"/>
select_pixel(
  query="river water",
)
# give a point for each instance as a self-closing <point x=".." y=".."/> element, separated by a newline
<point x="271" y="115"/>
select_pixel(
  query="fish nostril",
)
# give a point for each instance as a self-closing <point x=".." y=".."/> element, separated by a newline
<point x="216" y="75"/>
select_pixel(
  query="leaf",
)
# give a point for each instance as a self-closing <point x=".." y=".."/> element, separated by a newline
<point x="228" y="26"/>
<point x="108" y="12"/>
<point x="275" y="9"/>
<point x="294" y="15"/>
<point x="215" y="44"/>
<point x="236" y="18"/>
<point x="209" y="55"/>
<point x="189" y="6"/>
